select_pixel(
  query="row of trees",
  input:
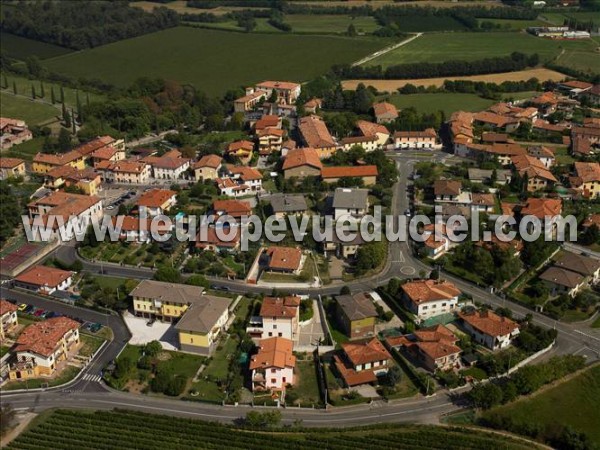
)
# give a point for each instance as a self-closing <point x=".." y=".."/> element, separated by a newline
<point x="83" y="24"/>
<point x="516" y="61"/>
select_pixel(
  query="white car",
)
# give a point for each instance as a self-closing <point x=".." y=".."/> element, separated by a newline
<point x="109" y="207"/>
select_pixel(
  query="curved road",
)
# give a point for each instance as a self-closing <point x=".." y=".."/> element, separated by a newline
<point x="84" y="392"/>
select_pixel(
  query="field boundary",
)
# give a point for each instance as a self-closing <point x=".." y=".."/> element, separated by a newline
<point x="385" y="50"/>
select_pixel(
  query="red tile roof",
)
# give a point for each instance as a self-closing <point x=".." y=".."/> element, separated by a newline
<point x="273" y="352"/>
<point x="369" y="128"/>
<point x="43" y="337"/>
<point x="315" y="132"/>
<point x="489" y="323"/>
<point x="286" y="307"/>
<point x="422" y="291"/>
<point x="383" y="108"/>
<point x="7" y="307"/>
<point x="94" y="144"/>
<point x="588" y="171"/>
<point x="212" y="238"/>
<point x="155" y="198"/>
<point x="365" y="351"/>
<point x="302" y="157"/>
<point x="213" y="161"/>
<point x="234" y="208"/>
<point x="9" y="163"/>
<point x="244" y="145"/>
<point x="44" y="276"/>
<point x="349" y="171"/>
<point x="542" y="207"/>
<point x="284" y="258"/>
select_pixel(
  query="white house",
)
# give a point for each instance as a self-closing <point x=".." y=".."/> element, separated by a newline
<point x="44" y="279"/>
<point x="489" y="329"/>
<point x="272" y="368"/>
<point x="429" y="298"/>
<point x="278" y="317"/>
<point x="426" y="139"/>
<point x="350" y="203"/>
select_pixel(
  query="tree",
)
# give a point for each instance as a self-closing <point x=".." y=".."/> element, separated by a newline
<point x="42" y="91"/>
<point x="4" y="82"/>
<point x="79" y="110"/>
<point x="198" y="280"/>
<point x="62" y="95"/>
<point x="123" y="367"/>
<point x="64" y="140"/>
<point x="263" y="419"/>
<point x="66" y="116"/>
<point x="32" y="92"/>
<point x="345" y="290"/>
<point x="168" y="274"/>
<point x="486" y="395"/>
<point x="34" y="67"/>
<point x="153" y="348"/>
<point x="351" y="30"/>
<point x="52" y="95"/>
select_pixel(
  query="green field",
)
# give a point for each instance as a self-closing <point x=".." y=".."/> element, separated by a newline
<point x="311" y="23"/>
<point x="468" y="46"/>
<point x="123" y="429"/>
<point x="20" y="48"/>
<point x="574" y="403"/>
<point x="559" y="18"/>
<point x="33" y="113"/>
<point x="513" y="24"/>
<point x="429" y="103"/>
<point x="212" y="60"/>
<point x="430" y="23"/>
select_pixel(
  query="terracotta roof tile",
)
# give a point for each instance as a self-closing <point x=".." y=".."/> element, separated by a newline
<point x="43" y="337"/>
<point x="284" y="258"/>
<point x="44" y="276"/>
<point x="489" y="323"/>
<point x="273" y="352"/>
<point x="422" y="291"/>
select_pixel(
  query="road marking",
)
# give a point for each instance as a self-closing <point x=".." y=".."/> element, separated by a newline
<point x="407" y="270"/>
<point x="587" y="335"/>
<point x="90" y="377"/>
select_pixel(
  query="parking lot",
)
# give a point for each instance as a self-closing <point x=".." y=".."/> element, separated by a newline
<point x="142" y="333"/>
<point x="32" y="311"/>
<point x="113" y="197"/>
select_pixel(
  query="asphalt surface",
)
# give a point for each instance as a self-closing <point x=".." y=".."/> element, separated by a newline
<point x="82" y="393"/>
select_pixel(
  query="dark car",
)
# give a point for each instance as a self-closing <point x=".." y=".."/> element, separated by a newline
<point x="38" y="312"/>
<point x="29" y="309"/>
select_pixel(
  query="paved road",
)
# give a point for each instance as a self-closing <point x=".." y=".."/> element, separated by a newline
<point x="572" y="339"/>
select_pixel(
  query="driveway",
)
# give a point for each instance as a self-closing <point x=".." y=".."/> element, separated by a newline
<point x="311" y="332"/>
<point x="141" y="333"/>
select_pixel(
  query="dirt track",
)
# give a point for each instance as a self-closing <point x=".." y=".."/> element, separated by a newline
<point x="523" y="75"/>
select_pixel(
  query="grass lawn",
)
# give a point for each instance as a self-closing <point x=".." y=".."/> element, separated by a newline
<point x="90" y="344"/>
<point x="467" y="46"/>
<point x="563" y="156"/>
<point x="182" y="53"/>
<point x="20" y="48"/>
<point x="574" y="403"/>
<point x="3" y="350"/>
<point x="324" y="23"/>
<point x="130" y="254"/>
<point x="67" y="374"/>
<point x="34" y="113"/>
<point x="26" y="150"/>
<point x="475" y="372"/>
<point x="430" y="103"/>
<point x="513" y="24"/>
<point x="305" y="383"/>
<point x="113" y="282"/>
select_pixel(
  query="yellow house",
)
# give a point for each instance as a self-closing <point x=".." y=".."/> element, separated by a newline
<point x="11" y="167"/>
<point x="42" y="346"/>
<point x="44" y="162"/>
<point x="357" y="314"/>
<point x="199" y="317"/>
<point x="587" y="179"/>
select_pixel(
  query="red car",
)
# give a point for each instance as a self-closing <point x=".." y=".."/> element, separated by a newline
<point x="38" y="312"/>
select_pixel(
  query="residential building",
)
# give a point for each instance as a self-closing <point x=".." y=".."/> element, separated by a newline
<point x="272" y="368"/>
<point x="350" y="203"/>
<point x="87" y="149"/>
<point x="489" y="329"/>
<point x="313" y="105"/>
<point x="218" y="239"/>
<point x="44" y="279"/>
<point x="207" y="167"/>
<point x="385" y="112"/>
<point x="134" y="229"/>
<point x="288" y="204"/>
<point x="270" y="140"/>
<point x="342" y="248"/>
<point x="125" y="171"/>
<point x="503" y="176"/>
<point x="42" y="346"/>
<point x="284" y="259"/>
<point x="301" y="163"/>
<point x="13" y="132"/>
<point x="429" y="298"/>
<point x="496" y="121"/>
<point x="434" y="347"/>
<point x="587" y="179"/>
<point x="232" y="208"/>
<point x="88" y="180"/>
<point x="561" y="281"/>
<point x="574" y="87"/>
<point x="447" y="190"/>
<point x="361" y="361"/>
<point x="108" y="153"/>
<point x="170" y="166"/>
<point x="268" y="121"/>
<point x="249" y="101"/>
<point x="315" y="135"/>
<point x="585" y="266"/>
<point x="241" y="150"/>
<point x="542" y="208"/>
<point x="199" y="327"/>
<point x="543" y="153"/>
<point x="11" y="168"/>
<point x="287" y="91"/>
<point x="374" y="129"/>
<point x="278" y="317"/>
<point x="247" y="176"/>
<point x="8" y="318"/>
<point x="426" y="139"/>
<point x="538" y="176"/>
<point x="199" y="318"/>
<point x="156" y="202"/>
<point x="357" y="314"/>
<point x="504" y="152"/>
<point x="592" y="95"/>
<point x="485" y="203"/>
<point x="436" y="243"/>
<point x="368" y="174"/>
<point x="368" y="143"/>
<point x="44" y="162"/>
<point x="231" y="188"/>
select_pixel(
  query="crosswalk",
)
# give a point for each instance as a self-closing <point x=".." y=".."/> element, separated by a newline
<point x="90" y="377"/>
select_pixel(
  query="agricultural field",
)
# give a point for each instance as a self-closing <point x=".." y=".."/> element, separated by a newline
<point x="429" y="103"/>
<point x="123" y="429"/>
<point x="555" y="18"/>
<point x="183" y="54"/>
<point x="34" y="113"/>
<point x="467" y="46"/>
<point x="574" y="403"/>
<point x="429" y="23"/>
<point x="330" y="23"/>
<point x="514" y="24"/>
<point x="26" y="150"/>
<point x="20" y="48"/>
<point x="522" y="75"/>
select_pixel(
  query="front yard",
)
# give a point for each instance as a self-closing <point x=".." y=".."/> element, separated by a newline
<point x="144" y="255"/>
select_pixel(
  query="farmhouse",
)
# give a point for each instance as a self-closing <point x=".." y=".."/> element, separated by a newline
<point x="42" y="346"/>
<point x="156" y="202"/>
<point x="11" y="168"/>
<point x="315" y="135"/>
<point x="278" y="317"/>
<point x="287" y="92"/>
<point x="360" y="362"/>
<point x="384" y="112"/>
<point x="489" y="329"/>
<point x="44" y="279"/>
<point x="357" y="314"/>
<point x="368" y="143"/>
<point x="249" y="101"/>
<point x="301" y="163"/>
<point x="272" y="368"/>
<point x="428" y="298"/>
<point x="368" y="174"/>
<point x="8" y="317"/>
<point x="592" y="95"/>
<point x="13" y="132"/>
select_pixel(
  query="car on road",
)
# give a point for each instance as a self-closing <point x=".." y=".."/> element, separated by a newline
<point x="109" y="207"/>
<point x="22" y="307"/>
<point x="407" y="212"/>
<point x="219" y="288"/>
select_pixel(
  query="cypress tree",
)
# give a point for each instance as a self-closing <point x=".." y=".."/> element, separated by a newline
<point x="32" y="92"/>
<point x="42" y="91"/>
<point x="79" y="113"/>
<point x="14" y="88"/>
<point x="87" y="99"/>
<point x="62" y="94"/>
<point x="74" y="123"/>
<point x="52" y="95"/>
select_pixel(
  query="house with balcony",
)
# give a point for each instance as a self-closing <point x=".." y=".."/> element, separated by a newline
<point x="357" y="314"/>
<point x="430" y="298"/>
<point x="44" y="280"/>
<point x="272" y="367"/>
<point x="278" y="317"/>
<point x="490" y="329"/>
<point x="8" y="317"/>
<point x="156" y="202"/>
<point x="362" y="361"/>
<point x="350" y="203"/>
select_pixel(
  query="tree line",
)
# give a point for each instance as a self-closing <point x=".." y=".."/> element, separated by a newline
<point x="516" y="61"/>
<point x="83" y="24"/>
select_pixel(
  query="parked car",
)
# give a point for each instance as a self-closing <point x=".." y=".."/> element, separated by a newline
<point x="38" y="312"/>
<point x="109" y="207"/>
<point x="46" y="314"/>
<point x="22" y="306"/>
<point x="29" y="309"/>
